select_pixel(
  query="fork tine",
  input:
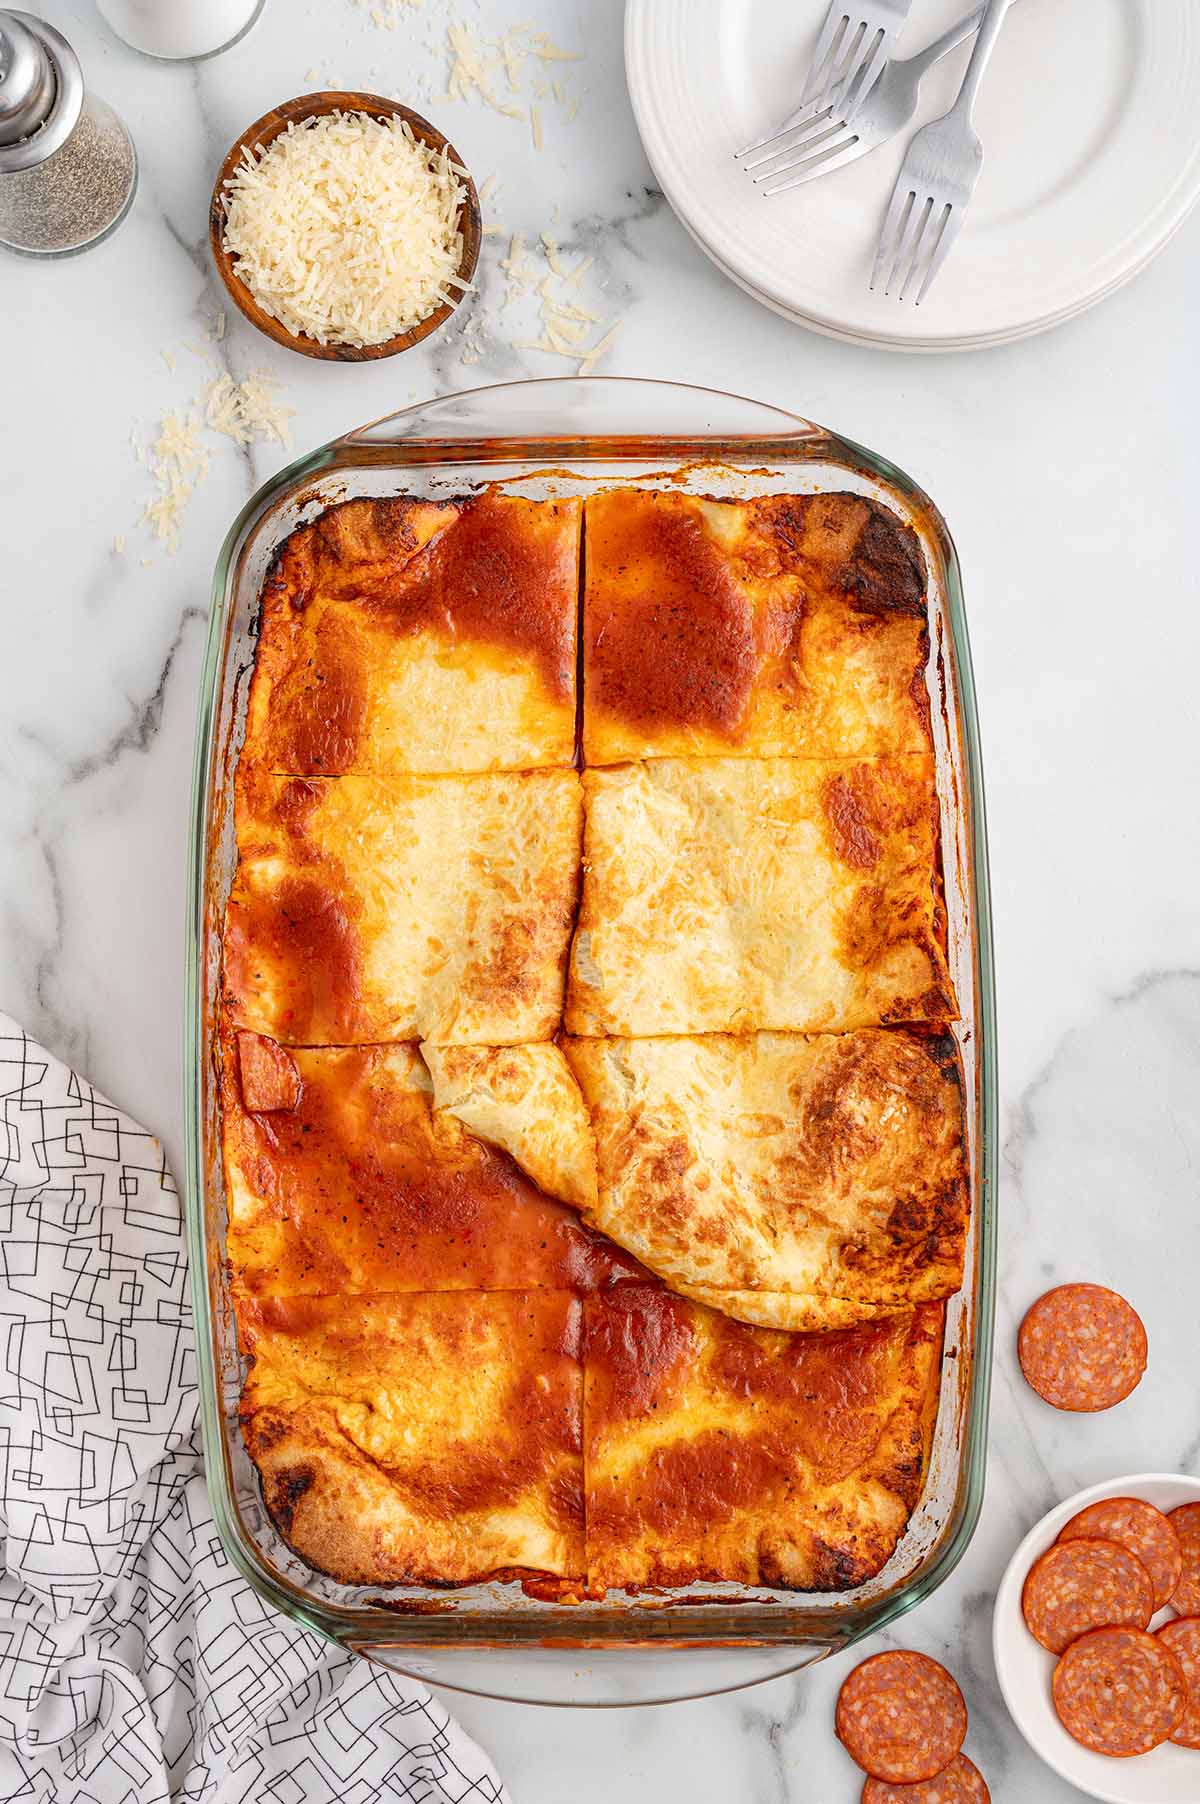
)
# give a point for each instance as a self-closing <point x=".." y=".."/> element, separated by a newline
<point x="843" y="69"/>
<point x="833" y="157"/>
<point x="870" y="68"/>
<point x="799" y="118"/>
<point x="909" y="265"/>
<point x="889" y="234"/>
<point x="947" y="234"/>
<point x="778" y="145"/>
<point x="825" y="135"/>
<point x="836" y="23"/>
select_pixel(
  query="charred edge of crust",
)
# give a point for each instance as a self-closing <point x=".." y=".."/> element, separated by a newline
<point x="886" y="573"/>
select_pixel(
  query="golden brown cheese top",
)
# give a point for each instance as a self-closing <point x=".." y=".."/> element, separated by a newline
<point x="434" y="908"/>
<point x="718" y="1451"/>
<point x="412" y="636"/>
<point x="428" y="1439"/>
<point x="762" y="853"/>
<point x="787" y="625"/>
<point x="357" y="1186"/>
<point x="525" y="1100"/>
<point x="826" y="1169"/>
<point x="726" y="895"/>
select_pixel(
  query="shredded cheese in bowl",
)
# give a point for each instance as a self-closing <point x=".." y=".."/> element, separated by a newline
<point x="346" y="229"/>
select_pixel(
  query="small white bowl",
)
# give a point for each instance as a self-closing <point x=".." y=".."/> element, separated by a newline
<point x="1169" y="1775"/>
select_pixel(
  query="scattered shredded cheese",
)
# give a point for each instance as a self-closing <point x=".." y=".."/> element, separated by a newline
<point x="485" y="68"/>
<point x="346" y="229"/>
<point x="242" y="411"/>
<point x="588" y="363"/>
<point x="178" y="460"/>
<point x="245" y="411"/>
<point x="563" y="320"/>
<point x="386" y="13"/>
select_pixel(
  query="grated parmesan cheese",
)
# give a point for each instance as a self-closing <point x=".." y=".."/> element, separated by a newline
<point x="346" y="229"/>
<point x="480" y="66"/>
<point x="242" y="411"/>
<point x="564" y="321"/>
<point x="178" y="460"/>
<point x="247" y="410"/>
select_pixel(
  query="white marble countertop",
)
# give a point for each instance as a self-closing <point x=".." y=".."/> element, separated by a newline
<point x="1068" y="468"/>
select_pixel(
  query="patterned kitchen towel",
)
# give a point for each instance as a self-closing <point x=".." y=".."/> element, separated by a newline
<point x="136" y="1667"/>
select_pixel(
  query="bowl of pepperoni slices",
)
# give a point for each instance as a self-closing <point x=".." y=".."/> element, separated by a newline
<point x="1096" y="1637"/>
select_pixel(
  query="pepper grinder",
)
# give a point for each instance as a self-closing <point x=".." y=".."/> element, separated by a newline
<point x="68" y="169"/>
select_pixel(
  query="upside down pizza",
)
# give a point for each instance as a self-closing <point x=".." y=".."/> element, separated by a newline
<point x="593" y="1123"/>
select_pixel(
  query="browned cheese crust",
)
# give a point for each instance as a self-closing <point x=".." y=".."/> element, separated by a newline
<point x="422" y="1439"/>
<point x="727" y="895"/>
<point x="434" y="908"/>
<point x="494" y="1074"/>
<point x="788" y="1179"/>
<point x="359" y="1186"/>
<point x="404" y="636"/>
<point x="785" y="625"/>
<point x="714" y="1450"/>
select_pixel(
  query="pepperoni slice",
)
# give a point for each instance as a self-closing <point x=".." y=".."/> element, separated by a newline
<point x="961" y="1783"/>
<point x="1082" y="1347"/>
<point x="1185" y="1599"/>
<point x="1141" y="1528"/>
<point x="1080" y="1585"/>
<point x="1119" y="1691"/>
<point x="901" y="1717"/>
<point x="1181" y="1638"/>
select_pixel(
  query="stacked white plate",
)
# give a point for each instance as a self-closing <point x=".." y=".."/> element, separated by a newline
<point x="1090" y="119"/>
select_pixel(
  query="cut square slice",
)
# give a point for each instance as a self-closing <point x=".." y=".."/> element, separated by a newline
<point x="801" y="1182"/>
<point x="725" y="895"/>
<point x="419" y="1439"/>
<point x="350" y="1180"/>
<point x="431" y="908"/>
<point x="789" y="625"/>
<point x="714" y="1451"/>
<point x="417" y="636"/>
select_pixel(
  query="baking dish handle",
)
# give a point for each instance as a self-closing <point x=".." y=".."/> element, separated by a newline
<point x="571" y="407"/>
<point x="598" y="1678"/>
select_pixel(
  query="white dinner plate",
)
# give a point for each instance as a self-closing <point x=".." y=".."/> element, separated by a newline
<point x="1169" y="1775"/>
<point x="1090" y="118"/>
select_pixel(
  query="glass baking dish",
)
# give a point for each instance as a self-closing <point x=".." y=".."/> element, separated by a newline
<point x="569" y="436"/>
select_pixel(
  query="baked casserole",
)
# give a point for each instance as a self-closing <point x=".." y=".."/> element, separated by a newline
<point x="593" y="1133"/>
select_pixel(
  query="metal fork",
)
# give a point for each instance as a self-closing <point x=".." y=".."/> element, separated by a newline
<point x="937" y="179"/>
<point x="855" y="42"/>
<point x="829" y="140"/>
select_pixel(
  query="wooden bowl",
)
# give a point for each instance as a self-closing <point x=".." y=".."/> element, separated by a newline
<point x="262" y="133"/>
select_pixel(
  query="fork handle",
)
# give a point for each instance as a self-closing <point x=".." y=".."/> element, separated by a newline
<point x="985" y="43"/>
<point x="923" y="60"/>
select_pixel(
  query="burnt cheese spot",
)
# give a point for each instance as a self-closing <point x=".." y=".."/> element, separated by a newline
<point x="885" y="573"/>
<point x="288" y="1486"/>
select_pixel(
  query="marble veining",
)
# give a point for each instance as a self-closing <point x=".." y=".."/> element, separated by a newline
<point x="1067" y="467"/>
